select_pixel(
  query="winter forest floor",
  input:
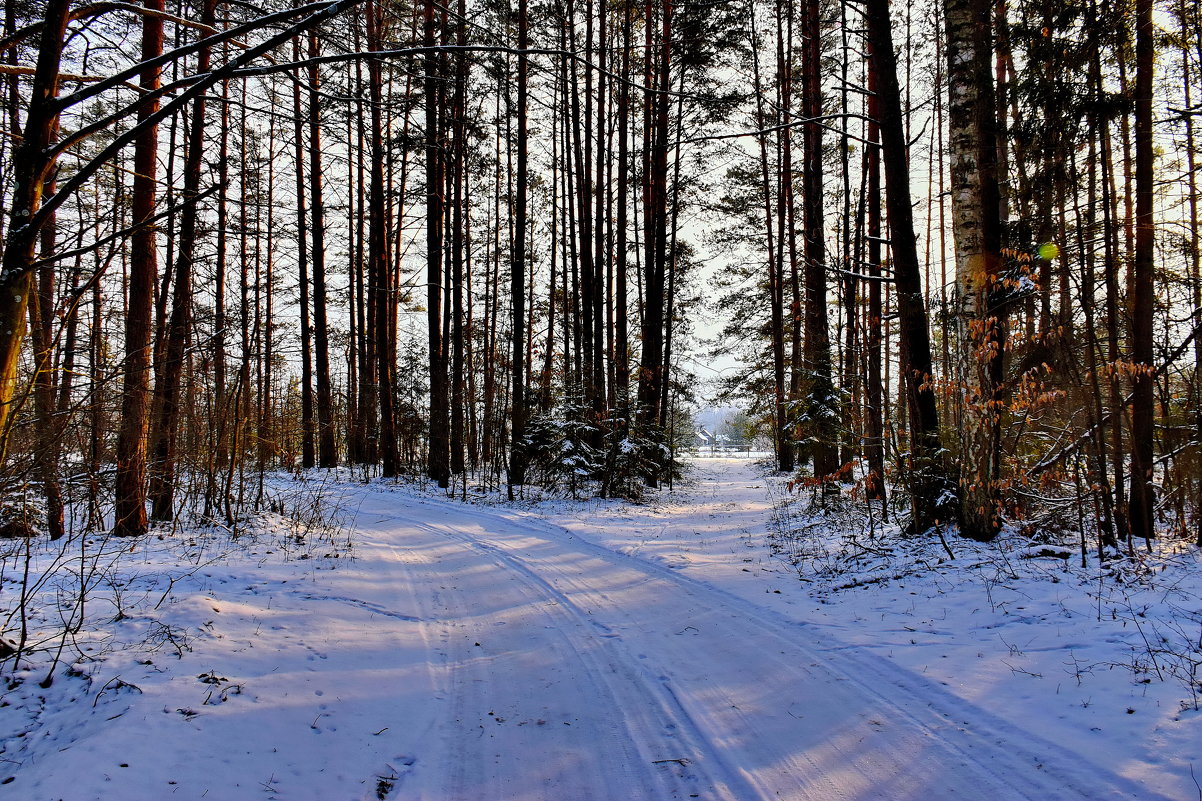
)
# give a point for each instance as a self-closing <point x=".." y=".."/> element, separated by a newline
<point x="719" y="642"/>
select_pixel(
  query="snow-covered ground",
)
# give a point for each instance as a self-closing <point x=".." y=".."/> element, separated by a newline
<point x="693" y="647"/>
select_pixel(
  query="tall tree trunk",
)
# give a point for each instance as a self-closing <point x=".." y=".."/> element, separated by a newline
<point x="1111" y="260"/>
<point x="875" y="446"/>
<point x="48" y="430"/>
<point x="439" y="456"/>
<point x="264" y="336"/>
<point x="621" y="312"/>
<point x="545" y="396"/>
<point x="308" y="445"/>
<point x="786" y="226"/>
<point x="130" y="509"/>
<point x="378" y="250"/>
<point x="222" y="412"/>
<point x="931" y="491"/>
<point x="167" y="391"/>
<point x="327" y="444"/>
<point x="234" y="490"/>
<point x="369" y="337"/>
<point x="31" y="167"/>
<point x="601" y="261"/>
<point x="822" y="404"/>
<point x="652" y="373"/>
<point x="977" y="227"/>
<point x="517" y="398"/>
<point x="581" y="132"/>
<point x="671" y="265"/>
<point x="782" y="431"/>
<point x="457" y="187"/>
<point x="1142" y="407"/>
<point x="363" y="414"/>
<point x="1087" y="300"/>
<point x="96" y="414"/>
<point x="1188" y="24"/>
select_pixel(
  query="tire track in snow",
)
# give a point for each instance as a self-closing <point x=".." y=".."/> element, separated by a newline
<point x="653" y="729"/>
<point x="800" y="776"/>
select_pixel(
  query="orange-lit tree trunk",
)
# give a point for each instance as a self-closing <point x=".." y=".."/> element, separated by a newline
<point x="652" y="369"/>
<point x="130" y="508"/>
<point x="41" y="312"/>
<point x="32" y="165"/>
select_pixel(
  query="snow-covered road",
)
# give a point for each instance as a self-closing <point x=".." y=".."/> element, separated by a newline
<point x="573" y="671"/>
<point x="478" y="653"/>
